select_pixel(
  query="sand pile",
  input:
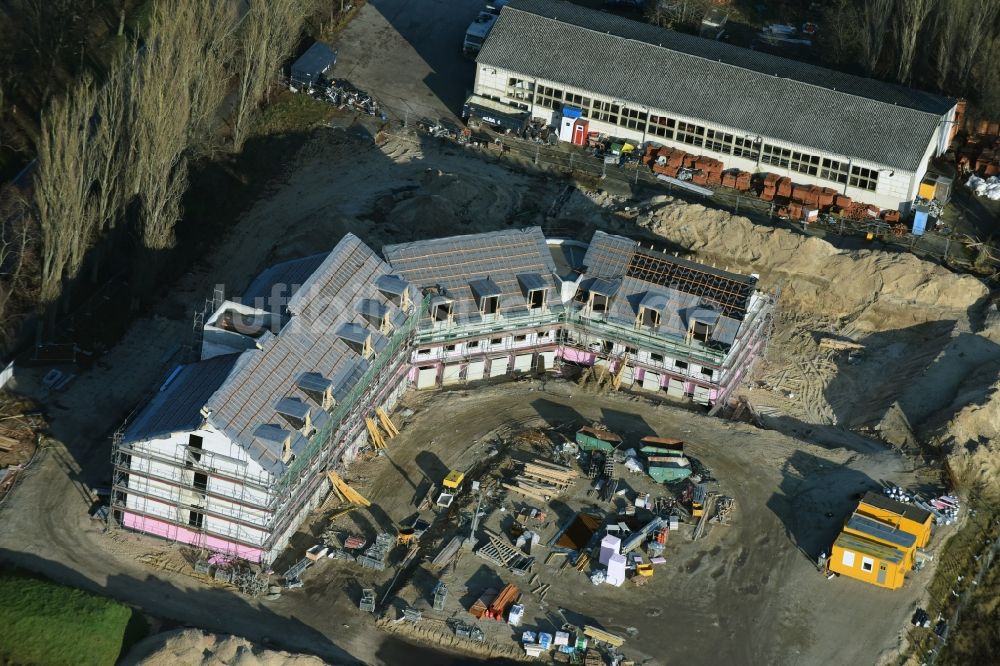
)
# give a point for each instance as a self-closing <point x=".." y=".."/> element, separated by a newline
<point x="447" y="204"/>
<point x="968" y="433"/>
<point x="193" y="647"/>
<point x="883" y="290"/>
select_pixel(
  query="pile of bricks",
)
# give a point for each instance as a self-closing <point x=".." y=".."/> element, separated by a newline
<point x="890" y="216"/>
<point x="667" y="161"/>
<point x="709" y="171"/>
<point x="736" y="179"/>
<point x="980" y="152"/>
<point x="794" y="199"/>
<point x="860" y="211"/>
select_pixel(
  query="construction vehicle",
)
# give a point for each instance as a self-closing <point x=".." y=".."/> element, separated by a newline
<point x="405" y="536"/>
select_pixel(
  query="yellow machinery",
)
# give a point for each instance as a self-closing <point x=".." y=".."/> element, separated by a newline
<point x="644" y="569"/>
<point x="405" y="536"/>
<point x="454" y="479"/>
<point x="345" y="492"/>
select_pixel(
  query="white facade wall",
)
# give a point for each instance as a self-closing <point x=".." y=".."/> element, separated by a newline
<point x="895" y="189"/>
<point x="221" y="455"/>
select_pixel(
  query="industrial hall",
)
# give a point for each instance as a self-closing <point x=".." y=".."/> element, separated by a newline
<point x="864" y="138"/>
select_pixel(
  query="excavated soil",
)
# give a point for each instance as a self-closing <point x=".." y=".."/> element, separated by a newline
<point x="192" y="647"/>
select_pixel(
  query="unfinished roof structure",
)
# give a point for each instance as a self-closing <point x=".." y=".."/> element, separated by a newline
<point x="177" y="405"/>
<point x="747" y="90"/>
<point x="467" y="273"/>
<point x="329" y="339"/>
<point x="666" y="293"/>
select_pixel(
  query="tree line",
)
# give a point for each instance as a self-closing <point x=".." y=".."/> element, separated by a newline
<point x="115" y="151"/>
<point x="950" y="47"/>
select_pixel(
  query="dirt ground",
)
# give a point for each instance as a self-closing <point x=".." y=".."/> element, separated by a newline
<point x="752" y="583"/>
<point x="928" y="374"/>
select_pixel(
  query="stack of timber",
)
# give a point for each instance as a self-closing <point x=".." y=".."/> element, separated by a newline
<point x="508" y="596"/>
<point x="498" y="551"/>
<point x="541" y="480"/>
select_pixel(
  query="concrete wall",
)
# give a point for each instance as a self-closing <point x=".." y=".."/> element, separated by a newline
<point x="895" y="187"/>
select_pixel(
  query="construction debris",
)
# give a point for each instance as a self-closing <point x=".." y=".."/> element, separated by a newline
<point x="839" y="345"/>
<point x="497" y="550"/>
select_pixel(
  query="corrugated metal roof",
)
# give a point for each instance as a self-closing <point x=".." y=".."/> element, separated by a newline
<point x="755" y="93"/>
<point x="454" y="264"/>
<point x="177" y="407"/>
<point x="307" y="344"/>
<point x="315" y="60"/>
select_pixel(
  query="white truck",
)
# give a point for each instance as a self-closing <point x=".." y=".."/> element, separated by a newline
<point x="480" y="27"/>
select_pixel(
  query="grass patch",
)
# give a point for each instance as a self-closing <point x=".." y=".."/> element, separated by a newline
<point x="47" y="623"/>
<point x="290" y="112"/>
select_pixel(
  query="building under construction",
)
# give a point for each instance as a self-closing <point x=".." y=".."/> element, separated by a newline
<point x="234" y="450"/>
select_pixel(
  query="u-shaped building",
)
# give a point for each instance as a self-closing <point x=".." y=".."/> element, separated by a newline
<point x="232" y="452"/>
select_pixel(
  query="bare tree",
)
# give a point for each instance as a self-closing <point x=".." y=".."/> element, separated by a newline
<point x="173" y="98"/>
<point x="17" y="252"/>
<point x="979" y="29"/>
<point x="62" y="185"/>
<point x="875" y="18"/>
<point x="268" y="33"/>
<point x="108" y="156"/>
<point x="910" y="16"/>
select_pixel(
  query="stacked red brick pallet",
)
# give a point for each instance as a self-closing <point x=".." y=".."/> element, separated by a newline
<point x="980" y="152"/>
<point x="793" y="199"/>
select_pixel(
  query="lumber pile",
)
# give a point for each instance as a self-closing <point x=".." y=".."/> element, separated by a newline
<point x="497" y="550"/>
<point x="507" y="597"/>
<point x="541" y="480"/>
<point x="839" y="345"/>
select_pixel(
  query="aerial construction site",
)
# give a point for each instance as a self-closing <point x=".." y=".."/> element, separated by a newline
<point x="435" y="398"/>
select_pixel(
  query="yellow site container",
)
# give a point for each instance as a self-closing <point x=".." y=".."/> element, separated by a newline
<point x="454" y="479"/>
<point x="928" y="187"/>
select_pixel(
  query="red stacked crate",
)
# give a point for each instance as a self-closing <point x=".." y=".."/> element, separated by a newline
<point x="785" y="187"/>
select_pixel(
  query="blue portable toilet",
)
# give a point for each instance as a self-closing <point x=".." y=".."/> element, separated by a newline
<point x="919" y="220"/>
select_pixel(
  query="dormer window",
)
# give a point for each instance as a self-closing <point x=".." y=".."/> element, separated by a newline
<point x="358" y="338"/>
<point x="534" y="289"/>
<point x="487" y="295"/>
<point x="702" y="322"/>
<point x="317" y="388"/>
<point x="376" y="314"/>
<point x="441" y="309"/>
<point x="651" y="310"/>
<point x="396" y="290"/>
<point x="296" y="413"/>
<point x="274" y="441"/>
<point x="599" y="295"/>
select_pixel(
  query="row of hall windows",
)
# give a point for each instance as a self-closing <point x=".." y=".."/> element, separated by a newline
<point x="749" y="147"/>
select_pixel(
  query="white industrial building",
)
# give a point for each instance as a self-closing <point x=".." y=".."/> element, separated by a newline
<point x="233" y="451"/>
<point x="757" y="112"/>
